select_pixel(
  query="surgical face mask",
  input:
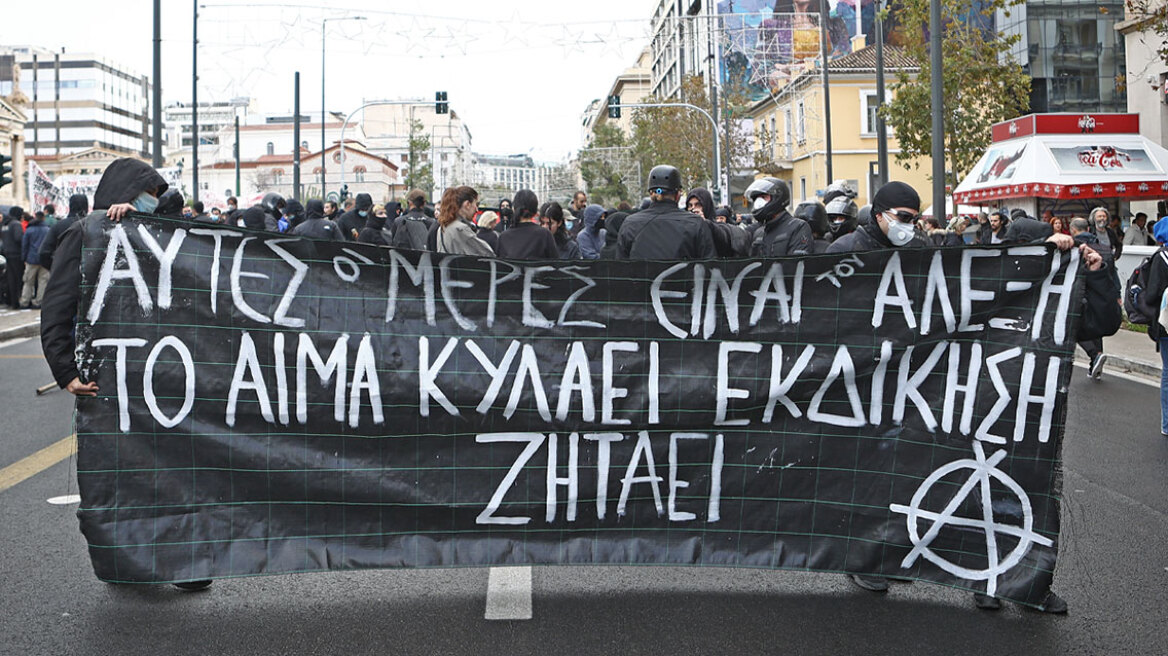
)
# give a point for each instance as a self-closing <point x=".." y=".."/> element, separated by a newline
<point x="362" y="213"/>
<point x="145" y="203"/>
<point x="898" y="233"/>
<point x="569" y="224"/>
<point x="759" y="203"/>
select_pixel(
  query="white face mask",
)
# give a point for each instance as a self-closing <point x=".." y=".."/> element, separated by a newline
<point x="898" y="233"/>
<point x="760" y="203"/>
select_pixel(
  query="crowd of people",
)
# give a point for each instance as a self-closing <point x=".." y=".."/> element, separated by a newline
<point x="523" y="228"/>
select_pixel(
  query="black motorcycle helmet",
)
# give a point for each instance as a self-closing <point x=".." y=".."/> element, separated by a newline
<point x="814" y="214"/>
<point x="273" y="204"/>
<point x="665" y="177"/>
<point x="836" y="190"/>
<point x="843" y="215"/>
<point x="775" y="188"/>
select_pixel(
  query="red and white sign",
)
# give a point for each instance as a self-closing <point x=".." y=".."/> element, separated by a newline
<point x="1025" y="126"/>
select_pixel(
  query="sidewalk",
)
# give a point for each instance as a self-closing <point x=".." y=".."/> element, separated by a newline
<point x="19" y="323"/>
<point x="1128" y="351"/>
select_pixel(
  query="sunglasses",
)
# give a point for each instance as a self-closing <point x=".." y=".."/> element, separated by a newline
<point x="904" y="217"/>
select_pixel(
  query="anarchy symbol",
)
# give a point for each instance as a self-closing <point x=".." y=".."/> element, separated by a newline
<point x="982" y="471"/>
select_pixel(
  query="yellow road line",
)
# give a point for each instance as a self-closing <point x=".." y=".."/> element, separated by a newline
<point x="30" y="466"/>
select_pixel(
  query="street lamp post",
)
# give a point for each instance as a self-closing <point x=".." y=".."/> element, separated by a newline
<point x="323" y="40"/>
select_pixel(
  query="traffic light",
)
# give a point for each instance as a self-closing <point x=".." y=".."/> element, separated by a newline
<point x="440" y="104"/>
<point x="5" y="169"/>
<point x="344" y="192"/>
<point x="614" y="107"/>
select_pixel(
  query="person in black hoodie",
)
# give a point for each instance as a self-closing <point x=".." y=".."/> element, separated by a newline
<point x="315" y="225"/>
<point x="273" y="205"/>
<point x="13" y="240"/>
<point x="78" y="208"/>
<point x="255" y="218"/>
<point x="374" y="231"/>
<point x="699" y="201"/>
<point x="353" y="221"/>
<point x="779" y="233"/>
<point x="895" y="209"/>
<point x="612" y="227"/>
<point x="814" y="213"/>
<point x="527" y="240"/>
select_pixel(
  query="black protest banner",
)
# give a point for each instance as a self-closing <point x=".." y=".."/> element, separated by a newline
<point x="274" y="405"/>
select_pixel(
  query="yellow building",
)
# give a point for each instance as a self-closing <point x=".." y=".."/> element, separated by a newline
<point x="789" y="129"/>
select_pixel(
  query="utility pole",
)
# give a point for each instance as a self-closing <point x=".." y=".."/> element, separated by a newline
<point x="323" y="120"/>
<point x="881" y="126"/>
<point x="296" y="137"/>
<point x="195" y="103"/>
<point x="938" y="118"/>
<point x="156" y="100"/>
<point x="826" y="85"/>
<point x="237" y="155"/>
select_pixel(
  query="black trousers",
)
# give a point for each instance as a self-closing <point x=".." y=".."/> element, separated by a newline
<point x="1093" y="347"/>
<point x="15" y="280"/>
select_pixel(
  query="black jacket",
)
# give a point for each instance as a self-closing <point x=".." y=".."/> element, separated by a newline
<point x="489" y="236"/>
<point x="1150" y="297"/>
<point x="528" y="241"/>
<point x="782" y="235"/>
<point x="664" y="232"/>
<point x="78" y="207"/>
<point x="351" y="222"/>
<point x="612" y="228"/>
<point x="13" y="239"/>
<point x="412" y="230"/>
<point x="374" y="232"/>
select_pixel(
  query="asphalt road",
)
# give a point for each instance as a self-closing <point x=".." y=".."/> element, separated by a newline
<point x="1113" y="571"/>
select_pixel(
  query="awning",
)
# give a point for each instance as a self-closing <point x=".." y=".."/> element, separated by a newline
<point x="1068" y="166"/>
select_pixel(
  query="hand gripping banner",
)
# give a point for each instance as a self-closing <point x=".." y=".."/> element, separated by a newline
<point x="274" y="405"/>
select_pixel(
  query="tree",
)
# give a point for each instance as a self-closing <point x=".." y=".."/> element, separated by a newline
<point x="981" y="84"/>
<point x="419" y="175"/>
<point x="682" y="137"/>
<point x="605" y="178"/>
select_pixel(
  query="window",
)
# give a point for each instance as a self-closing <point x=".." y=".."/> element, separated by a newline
<point x="271" y="148"/>
<point x="304" y="145"/>
<point x="800" y="123"/>
<point x="359" y="173"/>
<point x="868" y="107"/>
<point x="405" y="157"/>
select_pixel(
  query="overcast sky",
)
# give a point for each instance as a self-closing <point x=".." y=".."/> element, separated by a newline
<point x="519" y="72"/>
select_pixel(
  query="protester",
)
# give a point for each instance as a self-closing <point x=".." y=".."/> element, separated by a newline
<point x="331" y="212"/>
<point x="663" y="231"/>
<point x="895" y="208"/>
<point x="999" y="222"/>
<point x="779" y="233"/>
<point x="955" y="231"/>
<point x="486" y="229"/>
<point x="566" y="245"/>
<point x="78" y="208"/>
<point x="36" y="277"/>
<point x="353" y="220"/>
<point x="170" y="204"/>
<point x="293" y="214"/>
<point x="1080" y="231"/>
<point x="579" y="202"/>
<point x="1150" y="299"/>
<point x="410" y="230"/>
<point x="456" y="229"/>
<point x="933" y="233"/>
<point x="11" y="240"/>
<point x="273" y="205"/>
<point x="1137" y="234"/>
<point x="375" y="231"/>
<point x="815" y="215"/>
<point x="216" y="215"/>
<point x="612" y="228"/>
<point x="842" y="216"/>
<point x="526" y="240"/>
<point x="231" y="216"/>
<point x="593" y="235"/>
<point x="315" y="225"/>
<point x="50" y="215"/>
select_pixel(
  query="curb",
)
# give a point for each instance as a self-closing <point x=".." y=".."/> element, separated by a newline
<point x="31" y="329"/>
<point x="1132" y="365"/>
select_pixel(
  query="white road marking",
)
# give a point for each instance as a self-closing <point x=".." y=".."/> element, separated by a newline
<point x="66" y="500"/>
<point x="509" y="593"/>
<point x="14" y="342"/>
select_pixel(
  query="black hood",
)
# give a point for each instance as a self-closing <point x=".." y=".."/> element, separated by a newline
<point x="612" y="226"/>
<point x="363" y="202"/>
<point x="705" y="198"/>
<point x="295" y="212"/>
<point x="253" y="218"/>
<point x="315" y="209"/>
<point x="78" y="205"/>
<point x="1026" y="230"/>
<point x="393" y="209"/>
<point x="375" y="222"/>
<point x="170" y="204"/>
<point x="123" y="180"/>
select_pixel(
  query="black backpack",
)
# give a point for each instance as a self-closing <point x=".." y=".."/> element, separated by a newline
<point x="412" y="233"/>
<point x="1133" y="305"/>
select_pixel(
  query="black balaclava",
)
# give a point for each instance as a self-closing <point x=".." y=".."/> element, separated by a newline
<point x="253" y="218"/>
<point x="315" y="209"/>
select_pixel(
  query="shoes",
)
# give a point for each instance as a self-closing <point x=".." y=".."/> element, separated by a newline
<point x="870" y="583"/>
<point x="986" y="602"/>
<point x="1096" y="369"/>
<point x="1054" y="604"/>
<point x="193" y="586"/>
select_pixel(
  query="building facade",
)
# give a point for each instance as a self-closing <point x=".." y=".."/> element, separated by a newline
<point x="213" y="118"/>
<point x="500" y="176"/>
<point x="1072" y="52"/>
<point x="78" y="102"/>
<point x="790" y="130"/>
<point x="387" y="130"/>
<point x="1147" y="89"/>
